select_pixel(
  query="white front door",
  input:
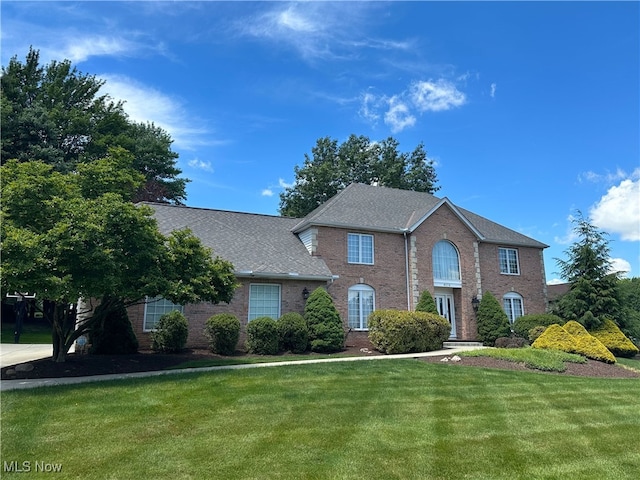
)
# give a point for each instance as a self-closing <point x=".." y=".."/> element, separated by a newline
<point x="446" y="308"/>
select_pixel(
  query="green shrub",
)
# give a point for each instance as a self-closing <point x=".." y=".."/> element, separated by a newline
<point x="223" y="332"/>
<point x="523" y="325"/>
<point x="113" y="334"/>
<point x="493" y="323"/>
<point x="513" y="341"/>
<point x="262" y="336"/>
<point x="394" y="331"/>
<point x="535" y="332"/>
<point x="587" y="344"/>
<point x="323" y="320"/>
<point x="293" y="332"/>
<point x="426" y="303"/>
<point x="616" y="341"/>
<point x="171" y="333"/>
<point x="556" y="338"/>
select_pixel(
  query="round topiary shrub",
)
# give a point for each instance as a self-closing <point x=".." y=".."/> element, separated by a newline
<point x="171" y="333"/>
<point x="587" y="344"/>
<point x="523" y="325"/>
<point x="512" y="341"/>
<point x="294" y="333"/>
<point x="616" y="341"/>
<point x="493" y="323"/>
<point x="556" y="338"/>
<point x="263" y="336"/>
<point x="426" y="303"/>
<point x="223" y="332"/>
<point x="326" y="334"/>
<point x="394" y="331"/>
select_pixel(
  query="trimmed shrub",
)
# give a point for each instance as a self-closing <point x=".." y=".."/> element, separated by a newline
<point x="523" y="325"/>
<point x="171" y="333"/>
<point x="262" y="336"/>
<point x="588" y="345"/>
<point x="293" y="332"/>
<point x="426" y="303"/>
<point x="113" y="335"/>
<point x="616" y="341"/>
<point x="223" y="332"/>
<point x="493" y="323"/>
<point x="511" y="342"/>
<point x="393" y="331"/>
<point x="556" y="338"/>
<point x="323" y="320"/>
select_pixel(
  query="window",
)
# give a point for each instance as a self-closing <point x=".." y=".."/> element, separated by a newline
<point x="154" y="308"/>
<point x="512" y="305"/>
<point x="264" y="301"/>
<point x="446" y="265"/>
<point x="361" y="304"/>
<point x="360" y="248"/>
<point x="509" y="261"/>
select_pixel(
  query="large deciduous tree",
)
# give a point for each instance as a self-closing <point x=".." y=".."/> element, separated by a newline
<point x="56" y="114"/>
<point x="333" y="166"/>
<point x="68" y="236"/>
<point x="593" y="296"/>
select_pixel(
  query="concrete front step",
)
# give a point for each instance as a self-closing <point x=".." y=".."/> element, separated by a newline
<point x="454" y="343"/>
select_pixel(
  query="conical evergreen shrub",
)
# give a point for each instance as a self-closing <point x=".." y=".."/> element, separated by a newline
<point x="325" y="325"/>
<point x="493" y="323"/>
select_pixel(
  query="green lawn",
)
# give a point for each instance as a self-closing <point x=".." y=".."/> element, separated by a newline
<point x="38" y="332"/>
<point x="385" y="419"/>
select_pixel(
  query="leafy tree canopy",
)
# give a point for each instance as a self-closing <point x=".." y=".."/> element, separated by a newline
<point x="70" y="236"/>
<point x="593" y="296"/>
<point x="56" y="115"/>
<point x="332" y="167"/>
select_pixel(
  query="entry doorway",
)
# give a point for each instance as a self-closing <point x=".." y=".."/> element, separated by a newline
<point x="446" y="307"/>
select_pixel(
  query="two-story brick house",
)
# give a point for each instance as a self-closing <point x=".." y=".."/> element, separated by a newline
<point x="371" y="248"/>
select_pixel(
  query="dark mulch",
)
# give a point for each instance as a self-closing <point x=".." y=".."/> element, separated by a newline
<point x="85" y="365"/>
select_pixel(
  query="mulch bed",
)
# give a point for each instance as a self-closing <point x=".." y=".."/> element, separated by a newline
<point x="78" y="365"/>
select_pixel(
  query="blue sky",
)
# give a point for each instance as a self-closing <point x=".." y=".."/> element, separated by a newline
<point x="530" y="111"/>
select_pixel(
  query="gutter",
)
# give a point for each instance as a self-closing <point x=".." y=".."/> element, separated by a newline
<point x="285" y="276"/>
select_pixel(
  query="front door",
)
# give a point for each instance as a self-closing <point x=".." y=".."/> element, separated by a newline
<point x="446" y="308"/>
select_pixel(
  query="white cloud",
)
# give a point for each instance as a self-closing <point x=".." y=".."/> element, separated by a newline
<point x="200" y="165"/>
<point x="608" y="178"/>
<point x="618" y="211"/>
<point x="398" y="117"/>
<point x="435" y="96"/>
<point x="493" y="90"/>
<point x="147" y="104"/>
<point x="80" y="49"/>
<point x="620" y="265"/>
<point x="267" y="192"/>
<point x="284" y="185"/>
<point x="556" y="281"/>
<point x="369" y="105"/>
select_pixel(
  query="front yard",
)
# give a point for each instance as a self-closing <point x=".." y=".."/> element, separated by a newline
<point x="385" y="419"/>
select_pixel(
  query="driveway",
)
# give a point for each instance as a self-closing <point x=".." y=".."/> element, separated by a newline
<point x="14" y="353"/>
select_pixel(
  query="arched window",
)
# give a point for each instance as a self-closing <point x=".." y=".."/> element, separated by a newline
<point x="361" y="303"/>
<point x="446" y="265"/>
<point x="513" y="306"/>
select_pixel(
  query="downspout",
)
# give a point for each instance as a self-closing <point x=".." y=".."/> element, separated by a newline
<point x="406" y="269"/>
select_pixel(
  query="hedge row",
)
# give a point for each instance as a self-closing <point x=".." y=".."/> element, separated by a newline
<point x="394" y="331"/>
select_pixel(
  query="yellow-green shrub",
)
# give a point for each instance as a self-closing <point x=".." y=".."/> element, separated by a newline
<point x="588" y="345"/>
<point x="616" y="341"/>
<point x="556" y="338"/>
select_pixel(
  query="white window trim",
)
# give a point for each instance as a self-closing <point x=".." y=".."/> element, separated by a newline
<point x="508" y="267"/>
<point x="251" y="285"/>
<point x="511" y="314"/>
<point x="148" y="300"/>
<point x="443" y="282"/>
<point x="360" y="287"/>
<point x="360" y="261"/>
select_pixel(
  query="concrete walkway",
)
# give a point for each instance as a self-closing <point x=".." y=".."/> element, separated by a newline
<point x="14" y="353"/>
<point x="6" y="385"/>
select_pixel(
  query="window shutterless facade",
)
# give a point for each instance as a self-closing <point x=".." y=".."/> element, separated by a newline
<point x="360" y="248"/>
<point x="264" y="301"/>
<point x="154" y="308"/>
<point x="508" y="258"/>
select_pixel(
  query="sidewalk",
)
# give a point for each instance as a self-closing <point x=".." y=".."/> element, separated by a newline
<point x="7" y="385"/>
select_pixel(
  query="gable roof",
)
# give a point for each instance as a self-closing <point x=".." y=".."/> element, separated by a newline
<point x="373" y="208"/>
<point x="257" y="245"/>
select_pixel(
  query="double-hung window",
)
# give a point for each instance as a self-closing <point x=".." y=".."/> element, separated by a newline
<point x="264" y="300"/>
<point x="360" y="248"/>
<point x="361" y="304"/>
<point x="154" y="308"/>
<point x="509" y="261"/>
<point x="512" y="305"/>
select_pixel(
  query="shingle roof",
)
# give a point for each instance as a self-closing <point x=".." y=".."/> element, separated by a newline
<point x="374" y="208"/>
<point x="260" y="244"/>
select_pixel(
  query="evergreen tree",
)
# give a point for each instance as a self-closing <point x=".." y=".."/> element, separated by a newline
<point x="493" y="323"/>
<point x="426" y="303"/>
<point x="325" y="326"/>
